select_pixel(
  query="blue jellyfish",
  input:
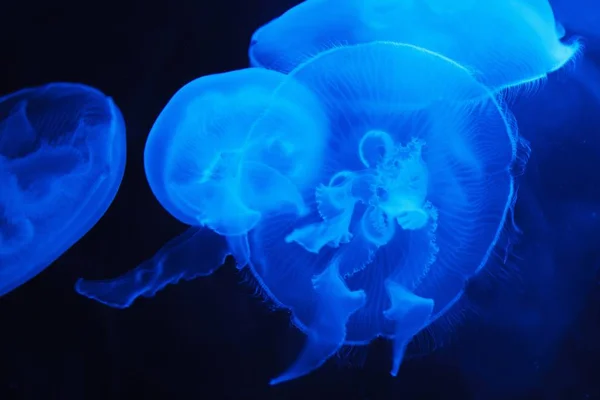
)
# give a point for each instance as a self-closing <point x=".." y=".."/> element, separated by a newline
<point x="62" y="158"/>
<point x="207" y="171"/>
<point x="507" y="43"/>
<point x="404" y="202"/>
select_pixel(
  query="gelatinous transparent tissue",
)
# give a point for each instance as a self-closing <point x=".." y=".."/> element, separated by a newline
<point x="505" y="43"/>
<point x="361" y="190"/>
<point x="208" y="171"/>
<point x="62" y="157"/>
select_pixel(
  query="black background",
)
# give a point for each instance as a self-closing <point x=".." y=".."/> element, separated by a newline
<point x="213" y="338"/>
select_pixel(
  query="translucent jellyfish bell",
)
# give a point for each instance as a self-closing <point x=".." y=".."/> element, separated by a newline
<point x="62" y="157"/>
<point x="506" y="42"/>
<point x="413" y="194"/>
<point x="205" y="169"/>
<point x="208" y="171"/>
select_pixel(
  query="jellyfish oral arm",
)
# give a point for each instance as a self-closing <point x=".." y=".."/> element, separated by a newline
<point x="195" y="253"/>
<point x="327" y="333"/>
<point x="410" y="314"/>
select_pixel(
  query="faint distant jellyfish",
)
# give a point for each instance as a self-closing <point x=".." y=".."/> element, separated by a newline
<point x="206" y="170"/>
<point x="414" y="191"/>
<point x="62" y="157"/>
<point x="506" y="43"/>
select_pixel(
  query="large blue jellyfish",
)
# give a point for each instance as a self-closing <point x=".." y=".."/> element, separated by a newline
<point x="62" y="158"/>
<point x="403" y="198"/>
<point x="206" y="170"/>
<point x="506" y="43"/>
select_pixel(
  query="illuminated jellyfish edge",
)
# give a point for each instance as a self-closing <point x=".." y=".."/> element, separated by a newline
<point x="520" y="155"/>
<point x="118" y="130"/>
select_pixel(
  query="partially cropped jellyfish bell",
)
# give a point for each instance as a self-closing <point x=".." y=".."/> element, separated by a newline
<point x="206" y="169"/>
<point x="414" y="191"/>
<point x="62" y="158"/>
<point x="506" y="43"/>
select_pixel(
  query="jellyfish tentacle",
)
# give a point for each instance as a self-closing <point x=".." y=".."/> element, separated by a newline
<point x="327" y="333"/>
<point x="178" y="259"/>
<point x="410" y="313"/>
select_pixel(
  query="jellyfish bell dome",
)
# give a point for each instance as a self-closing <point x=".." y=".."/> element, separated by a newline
<point x="411" y="198"/>
<point x="62" y="158"/>
<point x="507" y="43"/>
<point x="206" y="170"/>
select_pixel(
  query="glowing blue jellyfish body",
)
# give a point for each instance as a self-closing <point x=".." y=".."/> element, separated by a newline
<point x="207" y="171"/>
<point x="506" y="42"/>
<point x="372" y="233"/>
<point x="62" y="157"/>
<point x="413" y="194"/>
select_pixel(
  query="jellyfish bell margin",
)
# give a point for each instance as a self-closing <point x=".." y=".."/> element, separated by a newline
<point x="62" y="159"/>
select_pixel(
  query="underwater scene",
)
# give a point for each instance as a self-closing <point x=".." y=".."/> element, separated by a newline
<point x="318" y="199"/>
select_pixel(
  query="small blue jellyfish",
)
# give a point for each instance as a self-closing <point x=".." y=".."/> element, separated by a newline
<point x="402" y="201"/>
<point x="507" y="43"/>
<point x="62" y="158"/>
<point x="207" y="171"/>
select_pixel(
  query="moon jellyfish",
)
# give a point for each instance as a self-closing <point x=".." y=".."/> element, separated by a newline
<point x="208" y="172"/>
<point x="507" y="43"/>
<point x="404" y="204"/>
<point x="205" y="170"/>
<point x="413" y="195"/>
<point x="62" y="158"/>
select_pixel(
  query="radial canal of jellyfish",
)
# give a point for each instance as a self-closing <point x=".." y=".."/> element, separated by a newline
<point x="62" y="158"/>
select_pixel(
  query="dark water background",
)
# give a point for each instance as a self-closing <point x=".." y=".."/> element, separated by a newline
<point x="538" y="324"/>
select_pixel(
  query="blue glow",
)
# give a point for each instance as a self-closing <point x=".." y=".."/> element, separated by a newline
<point x="506" y="43"/>
<point x="62" y="157"/>
<point x="386" y="174"/>
<point x="207" y="171"/>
